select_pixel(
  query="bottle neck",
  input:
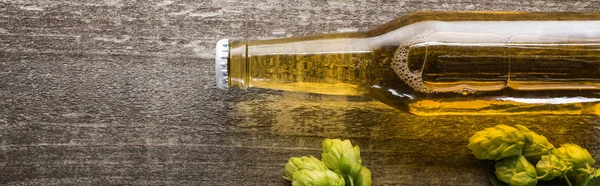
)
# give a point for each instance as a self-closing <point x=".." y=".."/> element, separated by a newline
<point x="326" y="64"/>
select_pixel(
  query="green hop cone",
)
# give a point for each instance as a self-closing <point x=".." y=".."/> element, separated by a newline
<point x="522" y="179"/>
<point x="552" y="167"/>
<point x="341" y="157"/>
<point x="536" y="145"/>
<point x="497" y="142"/>
<point x="580" y="157"/>
<point x="516" y="171"/>
<point x="365" y="177"/>
<point x="307" y="177"/>
<point x="295" y="164"/>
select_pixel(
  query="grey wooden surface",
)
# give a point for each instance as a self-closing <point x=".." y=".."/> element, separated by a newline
<point x="121" y="92"/>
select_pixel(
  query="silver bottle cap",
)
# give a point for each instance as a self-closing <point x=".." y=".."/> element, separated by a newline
<point x="222" y="54"/>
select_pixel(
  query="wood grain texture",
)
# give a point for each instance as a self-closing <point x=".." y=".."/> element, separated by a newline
<point x="121" y="92"/>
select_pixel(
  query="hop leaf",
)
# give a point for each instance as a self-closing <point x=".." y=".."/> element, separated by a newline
<point x="497" y="142"/>
<point x="536" y="146"/>
<point x="307" y="177"/>
<point x="590" y="177"/>
<point x="552" y="167"/>
<point x="294" y="164"/>
<point x="594" y="178"/>
<point x="365" y="177"/>
<point x="516" y="171"/>
<point x="341" y="157"/>
<point x="580" y="157"/>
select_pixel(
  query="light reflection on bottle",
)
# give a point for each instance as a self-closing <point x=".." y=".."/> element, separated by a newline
<point x="561" y="100"/>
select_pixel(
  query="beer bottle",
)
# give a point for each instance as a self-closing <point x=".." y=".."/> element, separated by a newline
<point x="437" y="63"/>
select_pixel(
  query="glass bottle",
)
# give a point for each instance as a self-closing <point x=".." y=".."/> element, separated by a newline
<point x="437" y="63"/>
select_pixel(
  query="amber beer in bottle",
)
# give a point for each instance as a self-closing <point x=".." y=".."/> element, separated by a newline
<point x="437" y="63"/>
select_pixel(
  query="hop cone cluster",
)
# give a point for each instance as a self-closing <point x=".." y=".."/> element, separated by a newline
<point x="498" y="142"/>
<point x="580" y="157"/>
<point x="307" y="177"/>
<point x="341" y="164"/>
<point x="516" y="171"/>
<point x="516" y="146"/>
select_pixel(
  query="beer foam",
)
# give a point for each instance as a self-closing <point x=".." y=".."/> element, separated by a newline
<point x="400" y="65"/>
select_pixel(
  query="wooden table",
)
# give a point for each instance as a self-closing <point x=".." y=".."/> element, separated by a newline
<point x="121" y="92"/>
